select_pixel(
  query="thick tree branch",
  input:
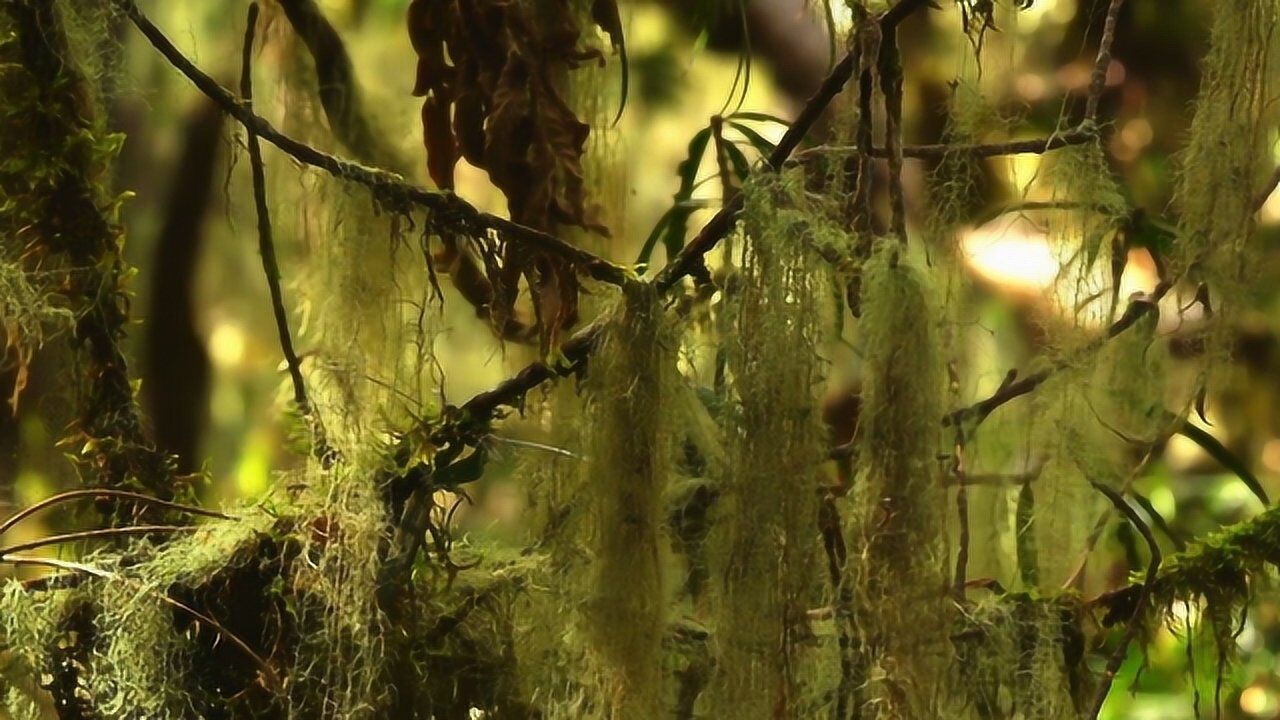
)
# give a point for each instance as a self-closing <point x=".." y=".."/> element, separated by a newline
<point x="448" y="209"/>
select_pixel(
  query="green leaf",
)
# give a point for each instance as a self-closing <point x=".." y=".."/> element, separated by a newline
<point x="757" y="117"/>
<point x="678" y="222"/>
<point x="1226" y="458"/>
<point x="762" y="144"/>
<point x="737" y="159"/>
<point x="659" y="229"/>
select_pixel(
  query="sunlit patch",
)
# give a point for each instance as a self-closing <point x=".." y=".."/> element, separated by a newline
<point x="1271" y="455"/>
<point x="227" y="344"/>
<point x="1020" y="258"/>
<point x="1012" y="255"/>
<point x="1259" y="701"/>
<point x="253" y="471"/>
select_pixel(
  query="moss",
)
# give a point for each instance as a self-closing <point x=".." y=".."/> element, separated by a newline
<point x="630" y="452"/>
<point x="53" y="180"/>
<point x="774" y="436"/>
<point x="28" y="624"/>
<point x="29" y="316"/>
<point x="142" y="662"/>
<point x="1221" y="572"/>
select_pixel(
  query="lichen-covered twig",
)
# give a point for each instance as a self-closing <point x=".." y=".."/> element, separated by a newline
<point x="1012" y="388"/>
<point x="1077" y="135"/>
<point x="99" y="534"/>
<point x="448" y="209"/>
<point x="267" y="250"/>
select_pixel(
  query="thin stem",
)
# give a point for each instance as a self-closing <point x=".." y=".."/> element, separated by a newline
<point x="267" y="250"/>
<point x="101" y="534"/>
<point x="962" y="512"/>
<point x="1034" y="146"/>
<point x="70" y="495"/>
<point x="448" y="209"/>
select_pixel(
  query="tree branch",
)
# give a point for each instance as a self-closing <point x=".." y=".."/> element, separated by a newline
<point x="1012" y="388"/>
<point x="388" y="188"/>
<point x="1098" y="82"/>
<point x="69" y="495"/>
<point x="1038" y="146"/>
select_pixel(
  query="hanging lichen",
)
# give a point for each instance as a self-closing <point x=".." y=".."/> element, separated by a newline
<point x="899" y="522"/>
<point x="954" y="185"/>
<point x="1018" y="656"/>
<point x="1089" y="208"/>
<point x="339" y="661"/>
<point x="775" y="439"/>
<point x="629" y="451"/>
<point x="1221" y="167"/>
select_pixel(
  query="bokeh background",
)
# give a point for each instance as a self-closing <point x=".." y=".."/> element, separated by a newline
<point x="205" y="345"/>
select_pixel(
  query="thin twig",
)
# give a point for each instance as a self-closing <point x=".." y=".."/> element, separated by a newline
<point x="1131" y="627"/>
<point x="63" y="497"/>
<point x="962" y="513"/>
<point x="448" y="209"/>
<point x="890" y="66"/>
<point x="1034" y="146"/>
<point x="267" y="249"/>
<point x="1011" y="388"/>
<point x="100" y="534"/>
<point x="1099" y="80"/>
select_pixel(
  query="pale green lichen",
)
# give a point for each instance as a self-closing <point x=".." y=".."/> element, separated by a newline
<point x="141" y="659"/>
<point x="1221" y="167"/>
<point x="899" y="527"/>
<point x="28" y="625"/>
<point x="1018" y="656"/>
<point x="769" y="496"/>
<point x="629" y="448"/>
<point x="338" y="664"/>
